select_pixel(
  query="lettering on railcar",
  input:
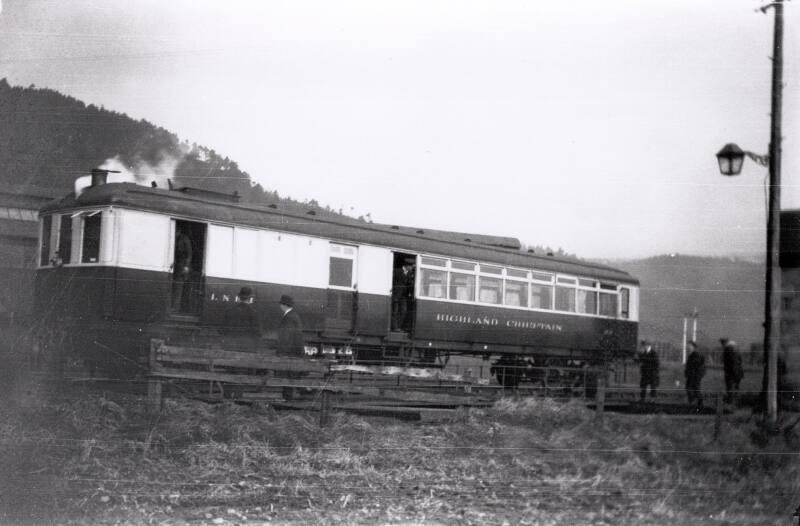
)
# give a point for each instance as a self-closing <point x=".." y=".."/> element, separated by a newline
<point x="493" y="322"/>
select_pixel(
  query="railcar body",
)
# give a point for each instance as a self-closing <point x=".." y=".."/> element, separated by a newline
<point x="108" y="276"/>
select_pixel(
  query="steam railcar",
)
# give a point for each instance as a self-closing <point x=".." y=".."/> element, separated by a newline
<point x="111" y="277"/>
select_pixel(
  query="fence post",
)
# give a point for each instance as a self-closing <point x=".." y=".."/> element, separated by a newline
<point x="324" y="407"/>
<point x="718" y="417"/>
<point x="601" y="398"/>
<point x="154" y="398"/>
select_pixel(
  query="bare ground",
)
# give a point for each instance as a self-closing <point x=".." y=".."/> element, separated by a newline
<point x="86" y="459"/>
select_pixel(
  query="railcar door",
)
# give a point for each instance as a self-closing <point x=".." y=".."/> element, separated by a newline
<point x="188" y="273"/>
<point x="403" y="303"/>
<point x="342" y="301"/>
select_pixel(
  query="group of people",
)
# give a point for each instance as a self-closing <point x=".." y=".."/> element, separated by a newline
<point x="242" y="326"/>
<point x="694" y="371"/>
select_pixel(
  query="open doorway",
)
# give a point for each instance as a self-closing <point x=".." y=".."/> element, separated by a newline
<point x="403" y="302"/>
<point x="187" y="267"/>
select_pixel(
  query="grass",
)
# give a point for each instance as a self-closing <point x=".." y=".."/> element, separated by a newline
<point x="72" y="458"/>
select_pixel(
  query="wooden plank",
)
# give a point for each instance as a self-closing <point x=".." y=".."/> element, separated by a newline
<point x="223" y="358"/>
<point x="413" y="372"/>
<point x="318" y="384"/>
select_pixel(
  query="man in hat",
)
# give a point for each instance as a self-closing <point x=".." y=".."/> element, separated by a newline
<point x="290" y="330"/>
<point x="649" y="370"/>
<point x="732" y="367"/>
<point x="694" y="371"/>
<point x="402" y="295"/>
<point x="241" y="326"/>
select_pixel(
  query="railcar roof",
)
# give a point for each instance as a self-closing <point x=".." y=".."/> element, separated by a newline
<point x="313" y="221"/>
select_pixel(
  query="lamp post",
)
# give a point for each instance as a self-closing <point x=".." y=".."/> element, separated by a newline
<point x="730" y="160"/>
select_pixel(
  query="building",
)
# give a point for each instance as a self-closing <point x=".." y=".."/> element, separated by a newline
<point x="19" y="232"/>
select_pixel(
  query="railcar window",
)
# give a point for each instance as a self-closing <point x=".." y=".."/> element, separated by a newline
<point x="587" y="301"/>
<point x="462" y="287"/>
<point x="491" y="270"/>
<point x="47" y="224"/>
<point x="342" y="261"/>
<point x="542" y="276"/>
<point x="434" y="262"/>
<point x="434" y="282"/>
<point x="65" y="239"/>
<point x="462" y="265"/>
<point x="490" y="290"/>
<point x="514" y="273"/>
<point x="624" y="303"/>
<point x="565" y="298"/>
<point x="516" y="293"/>
<point x="341" y="272"/>
<point x="608" y="304"/>
<point x="541" y="296"/>
<point x="91" y="238"/>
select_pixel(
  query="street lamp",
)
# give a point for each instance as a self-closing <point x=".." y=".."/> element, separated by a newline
<point x="730" y="160"/>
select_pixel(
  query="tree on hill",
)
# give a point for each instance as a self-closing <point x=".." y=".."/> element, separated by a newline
<point x="49" y="139"/>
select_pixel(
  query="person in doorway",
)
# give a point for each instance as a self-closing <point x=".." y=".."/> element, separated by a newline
<point x="732" y="367"/>
<point x="403" y="295"/>
<point x="241" y="326"/>
<point x="694" y="371"/>
<point x="290" y="330"/>
<point x="649" y="370"/>
<point x="182" y="268"/>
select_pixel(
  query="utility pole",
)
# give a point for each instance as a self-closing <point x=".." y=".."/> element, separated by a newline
<point x="772" y="329"/>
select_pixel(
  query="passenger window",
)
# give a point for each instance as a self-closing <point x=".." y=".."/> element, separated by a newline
<point x="433" y="282"/>
<point x="342" y="261"/>
<point x="91" y="238"/>
<point x="624" y="303"/>
<point x="490" y="290"/>
<point x="47" y="225"/>
<point x="608" y="304"/>
<point x="541" y="296"/>
<point x="65" y="239"/>
<point x="462" y="287"/>
<point x="516" y="293"/>
<point x="587" y="301"/>
<point x="565" y="299"/>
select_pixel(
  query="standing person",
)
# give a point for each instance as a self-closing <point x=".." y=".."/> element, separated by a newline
<point x="290" y="330"/>
<point x="402" y="295"/>
<point x="732" y="367"/>
<point x="694" y="371"/>
<point x="649" y="369"/>
<point x="241" y="326"/>
<point x="182" y="267"/>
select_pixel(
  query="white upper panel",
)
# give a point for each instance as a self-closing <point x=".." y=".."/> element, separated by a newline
<point x="374" y="270"/>
<point x="292" y="259"/>
<point x="219" y="253"/>
<point x="245" y="254"/>
<point x="143" y="239"/>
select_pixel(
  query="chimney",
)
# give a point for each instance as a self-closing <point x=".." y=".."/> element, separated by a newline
<point x="99" y="176"/>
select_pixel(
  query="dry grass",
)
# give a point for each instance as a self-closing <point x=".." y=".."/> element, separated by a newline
<point x="533" y="461"/>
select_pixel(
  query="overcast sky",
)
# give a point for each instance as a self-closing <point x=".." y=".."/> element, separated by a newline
<point x="589" y="125"/>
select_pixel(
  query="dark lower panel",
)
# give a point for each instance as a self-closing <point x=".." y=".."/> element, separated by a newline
<point x="474" y="324"/>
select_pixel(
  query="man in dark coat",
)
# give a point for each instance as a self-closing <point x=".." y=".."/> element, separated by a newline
<point x="402" y="295"/>
<point x="649" y="371"/>
<point x="290" y="330"/>
<point x="732" y="367"/>
<point x="241" y="326"/>
<point x="182" y="268"/>
<point x="694" y="371"/>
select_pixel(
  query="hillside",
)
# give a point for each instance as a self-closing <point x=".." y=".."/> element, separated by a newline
<point x="49" y="139"/>
<point x="727" y="293"/>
